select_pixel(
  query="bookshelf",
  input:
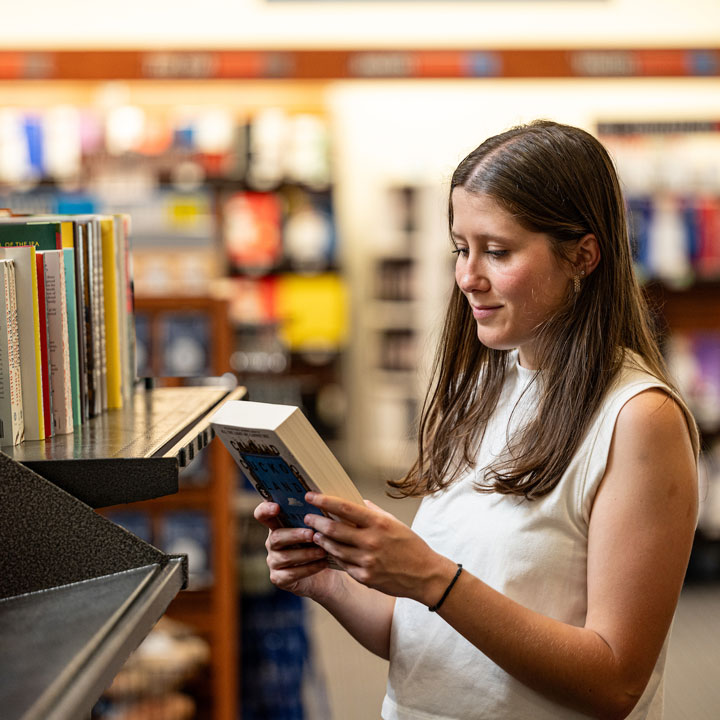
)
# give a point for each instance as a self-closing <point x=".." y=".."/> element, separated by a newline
<point x="400" y="283"/>
<point x="209" y="606"/>
<point x="78" y="592"/>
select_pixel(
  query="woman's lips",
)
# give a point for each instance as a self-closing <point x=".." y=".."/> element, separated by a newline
<point x="481" y="312"/>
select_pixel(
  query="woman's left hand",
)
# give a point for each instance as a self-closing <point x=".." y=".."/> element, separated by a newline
<point x="378" y="550"/>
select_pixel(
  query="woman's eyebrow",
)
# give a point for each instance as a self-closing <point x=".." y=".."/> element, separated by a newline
<point x="484" y="237"/>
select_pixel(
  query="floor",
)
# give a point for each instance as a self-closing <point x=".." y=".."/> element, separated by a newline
<point x="351" y="681"/>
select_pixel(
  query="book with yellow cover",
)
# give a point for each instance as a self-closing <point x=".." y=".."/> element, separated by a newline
<point x="111" y="314"/>
<point x="313" y="311"/>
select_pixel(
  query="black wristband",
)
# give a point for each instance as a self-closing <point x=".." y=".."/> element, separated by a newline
<point x="437" y="605"/>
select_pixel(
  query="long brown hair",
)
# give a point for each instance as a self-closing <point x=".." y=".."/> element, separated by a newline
<point x="558" y="180"/>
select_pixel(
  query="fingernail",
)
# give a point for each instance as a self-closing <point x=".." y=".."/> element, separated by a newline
<point x="310" y="497"/>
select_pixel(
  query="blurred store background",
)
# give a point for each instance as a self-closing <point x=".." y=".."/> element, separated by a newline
<point x="285" y="166"/>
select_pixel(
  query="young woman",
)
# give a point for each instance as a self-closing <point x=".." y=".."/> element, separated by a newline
<point x="557" y="466"/>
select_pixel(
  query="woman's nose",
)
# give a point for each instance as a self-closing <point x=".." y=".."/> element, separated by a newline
<point x="470" y="280"/>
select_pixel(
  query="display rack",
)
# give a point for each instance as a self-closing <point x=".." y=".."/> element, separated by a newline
<point x="77" y="592"/>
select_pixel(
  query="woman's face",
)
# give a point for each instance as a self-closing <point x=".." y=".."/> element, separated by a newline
<point x="510" y="276"/>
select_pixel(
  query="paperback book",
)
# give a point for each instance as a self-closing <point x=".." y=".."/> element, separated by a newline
<point x="12" y="426"/>
<point x="26" y="288"/>
<point x="282" y="455"/>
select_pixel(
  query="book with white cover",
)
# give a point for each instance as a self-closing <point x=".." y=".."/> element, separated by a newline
<point x="29" y="331"/>
<point x="282" y="455"/>
<point x="58" y="340"/>
<point x="12" y="426"/>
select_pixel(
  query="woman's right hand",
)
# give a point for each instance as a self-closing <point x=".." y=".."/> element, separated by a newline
<point x="296" y="563"/>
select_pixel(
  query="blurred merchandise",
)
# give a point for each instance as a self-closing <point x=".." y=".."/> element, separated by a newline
<point x="258" y="349"/>
<point x="251" y="231"/>
<point x="150" y="684"/>
<point x="395" y="279"/>
<point x="671" y="178"/>
<point x="186" y="271"/>
<point x="188" y="533"/>
<point x="269" y="135"/>
<point x="253" y="300"/>
<point x="694" y="362"/>
<point x="275" y="656"/>
<point x="309" y="239"/>
<point x="398" y="349"/>
<point x="185" y="342"/>
<point x="313" y="311"/>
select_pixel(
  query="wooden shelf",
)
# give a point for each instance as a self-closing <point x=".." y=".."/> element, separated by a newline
<point x="690" y="310"/>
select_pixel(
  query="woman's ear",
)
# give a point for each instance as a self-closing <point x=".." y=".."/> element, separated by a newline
<point x="586" y="254"/>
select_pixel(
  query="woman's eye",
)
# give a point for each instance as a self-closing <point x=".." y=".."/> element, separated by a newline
<point x="496" y="253"/>
<point x="460" y="251"/>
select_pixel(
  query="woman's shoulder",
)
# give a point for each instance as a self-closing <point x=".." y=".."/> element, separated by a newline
<point x="648" y="405"/>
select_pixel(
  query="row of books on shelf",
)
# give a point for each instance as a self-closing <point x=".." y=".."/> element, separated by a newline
<point x="694" y="362"/>
<point x="677" y="237"/>
<point x="265" y="149"/>
<point x="66" y="322"/>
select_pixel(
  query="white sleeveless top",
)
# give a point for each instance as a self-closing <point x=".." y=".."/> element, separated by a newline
<point x="533" y="552"/>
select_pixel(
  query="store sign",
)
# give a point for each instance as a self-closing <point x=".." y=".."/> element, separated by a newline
<point x="360" y="63"/>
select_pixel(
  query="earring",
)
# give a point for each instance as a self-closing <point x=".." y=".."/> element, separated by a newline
<point x="576" y="281"/>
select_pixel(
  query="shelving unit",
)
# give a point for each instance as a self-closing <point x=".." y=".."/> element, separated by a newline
<point x="210" y="610"/>
<point x="77" y="592"/>
<point x="400" y="298"/>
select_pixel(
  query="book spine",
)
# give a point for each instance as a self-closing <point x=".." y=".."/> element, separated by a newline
<point x="67" y="235"/>
<point x="73" y="340"/>
<point x="112" y="315"/>
<point x="91" y="350"/>
<point x="37" y="416"/>
<point x="100" y="316"/>
<point x="44" y="355"/>
<point x="120" y="262"/>
<point x="130" y="359"/>
<point x="6" y="413"/>
<point x="58" y="351"/>
<point x="98" y="329"/>
<point x="29" y="338"/>
<point x="16" y="396"/>
<point x="81" y="311"/>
